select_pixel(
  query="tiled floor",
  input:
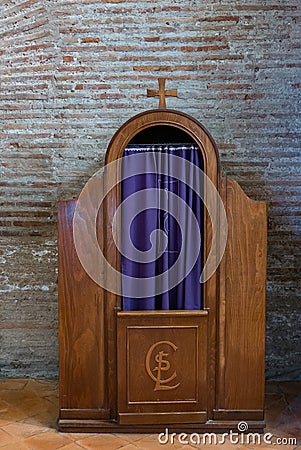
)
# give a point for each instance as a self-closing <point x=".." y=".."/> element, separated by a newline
<point x="28" y="412"/>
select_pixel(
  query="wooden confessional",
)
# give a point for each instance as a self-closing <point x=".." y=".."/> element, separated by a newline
<point x="212" y="359"/>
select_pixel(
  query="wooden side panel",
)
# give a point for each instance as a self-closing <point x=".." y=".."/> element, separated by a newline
<point x="245" y="301"/>
<point x="81" y="329"/>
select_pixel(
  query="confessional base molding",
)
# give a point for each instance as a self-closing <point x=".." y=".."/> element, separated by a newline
<point x="212" y="426"/>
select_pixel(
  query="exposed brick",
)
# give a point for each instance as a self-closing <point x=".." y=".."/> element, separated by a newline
<point x="204" y="48"/>
<point x="231" y="86"/>
<point x="266" y="7"/>
<point x="221" y="19"/>
<point x="23" y="29"/>
<point x="90" y="39"/>
<point x="152" y="39"/>
<point x="253" y="97"/>
<point x="68" y="58"/>
<point x="73" y="71"/>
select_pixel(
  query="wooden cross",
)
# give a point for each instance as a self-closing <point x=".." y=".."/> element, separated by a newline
<point x="162" y="93"/>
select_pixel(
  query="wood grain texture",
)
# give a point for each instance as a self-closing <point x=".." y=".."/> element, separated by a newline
<point x="181" y="340"/>
<point x="245" y="260"/>
<point x="81" y="325"/>
<point x="170" y="118"/>
<point x="162" y="93"/>
<point x="167" y="418"/>
<point x="221" y="319"/>
<point x="216" y="426"/>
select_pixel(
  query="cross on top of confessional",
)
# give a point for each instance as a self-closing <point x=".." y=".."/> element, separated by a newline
<point x="162" y="93"/>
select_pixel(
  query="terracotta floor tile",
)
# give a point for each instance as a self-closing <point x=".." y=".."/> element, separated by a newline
<point x="188" y="447"/>
<point x="131" y="437"/>
<point x="285" y="420"/>
<point x="42" y="383"/>
<point x="29" y="410"/>
<point x="227" y="445"/>
<point x="50" y="440"/>
<point x="23" y="430"/>
<point x="130" y="447"/>
<point x="53" y="398"/>
<point x="3" y="407"/>
<point x="16" y="446"/>
<point x="13" y="383"/>
<point x="79" y="436"/>
<point x="267" y="447"/>
<point x="13" y="414"/>
<point x="276" y="432"/>
<point x="31" y="403"/>
<point x="102" y="442"/>
<point x="151" y="442"/>
<point x="6" y="438"/>
<point x="43" y="388"/>
<point x="17" y="396"/>
<point x="4" y="422"/>
<point x="47" y="417"/>
<point x="72" y="446"/>
<point x="288" y="447"/>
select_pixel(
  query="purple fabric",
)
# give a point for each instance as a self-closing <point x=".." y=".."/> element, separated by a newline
<point x="188" y="293"/>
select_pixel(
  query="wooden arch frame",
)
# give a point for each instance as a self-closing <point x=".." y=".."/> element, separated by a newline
<point x="170" y="118"/>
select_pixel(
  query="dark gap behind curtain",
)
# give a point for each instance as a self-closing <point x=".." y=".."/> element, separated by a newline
<point x="188" y="293"/>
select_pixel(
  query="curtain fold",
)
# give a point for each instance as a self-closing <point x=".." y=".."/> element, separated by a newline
<point x="162" y="248"/>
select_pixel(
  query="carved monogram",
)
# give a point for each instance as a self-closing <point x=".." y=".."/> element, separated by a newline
<point x="163" y="366"/>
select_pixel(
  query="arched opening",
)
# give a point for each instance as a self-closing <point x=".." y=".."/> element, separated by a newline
<point x="161" y="134"/>
<point x="162" y="221"/>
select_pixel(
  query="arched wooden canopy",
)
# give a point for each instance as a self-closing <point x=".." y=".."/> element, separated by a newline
<point x="171" y="118"/>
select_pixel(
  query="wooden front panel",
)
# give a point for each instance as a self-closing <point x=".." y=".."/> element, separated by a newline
<point x="162" y="366"/>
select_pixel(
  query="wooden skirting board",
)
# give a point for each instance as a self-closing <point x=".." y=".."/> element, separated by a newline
<point x="97" y="426"/>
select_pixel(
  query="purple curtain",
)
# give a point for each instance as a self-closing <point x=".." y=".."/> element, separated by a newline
<point x="187" y="294"/>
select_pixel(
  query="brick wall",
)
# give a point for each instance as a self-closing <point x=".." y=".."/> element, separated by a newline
<point x="73" y="71"/>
